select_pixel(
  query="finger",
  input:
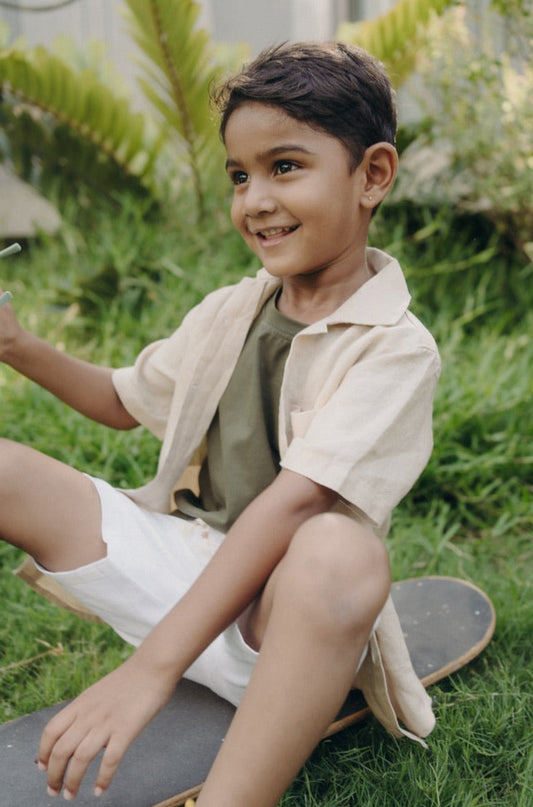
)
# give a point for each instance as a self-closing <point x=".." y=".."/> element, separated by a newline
<point x="53" y="730"/>
<point x="73" y="749"/>
<point x="108" y="767"/>
<point x="80" y="760"/>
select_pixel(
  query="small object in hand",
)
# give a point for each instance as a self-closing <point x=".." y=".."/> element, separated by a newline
<point x="11" y="250"/>
<point x="6" y="297"/>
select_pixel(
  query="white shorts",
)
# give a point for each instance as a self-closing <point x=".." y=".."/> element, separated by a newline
<point x="152" y="560"/>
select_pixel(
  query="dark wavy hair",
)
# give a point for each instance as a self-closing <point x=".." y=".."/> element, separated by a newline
<point x="336" y="88"/>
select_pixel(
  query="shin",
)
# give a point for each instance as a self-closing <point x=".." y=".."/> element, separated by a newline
<point x="312" y="625"/>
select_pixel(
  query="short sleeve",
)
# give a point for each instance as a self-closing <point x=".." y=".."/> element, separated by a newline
<point x="373" y="437"/>
<point x="146" y="388"/>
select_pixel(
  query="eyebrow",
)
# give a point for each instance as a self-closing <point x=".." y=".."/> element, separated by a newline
<point x="273" y="152"/>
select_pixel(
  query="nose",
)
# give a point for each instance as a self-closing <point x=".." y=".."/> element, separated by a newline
<point x="258" y="197"/>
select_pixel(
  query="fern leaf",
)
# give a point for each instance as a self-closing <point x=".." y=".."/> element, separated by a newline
<point x="178" y="68"/>
<point x="77" y="100"/>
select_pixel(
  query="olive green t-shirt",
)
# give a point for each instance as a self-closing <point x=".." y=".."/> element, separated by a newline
<point x="242" y="441"/>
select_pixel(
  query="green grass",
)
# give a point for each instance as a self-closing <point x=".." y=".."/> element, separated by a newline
<point x="470" y="515"/>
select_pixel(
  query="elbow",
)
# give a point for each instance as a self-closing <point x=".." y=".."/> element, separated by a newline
<point x="303" y="496"/>
<point x="116" y="416"/>
<point x="127" y="425"/>
<point x="124" y="421"/>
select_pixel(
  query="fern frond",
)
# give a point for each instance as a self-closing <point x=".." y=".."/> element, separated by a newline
<point x="81" y="102"/>
<point x="179" y="69"/>
<point x="393" y="37"/>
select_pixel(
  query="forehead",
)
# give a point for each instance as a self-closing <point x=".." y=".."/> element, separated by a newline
<point x="254" y="124"/>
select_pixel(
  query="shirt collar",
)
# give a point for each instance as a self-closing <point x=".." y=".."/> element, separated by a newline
<point x="382" y="300"/>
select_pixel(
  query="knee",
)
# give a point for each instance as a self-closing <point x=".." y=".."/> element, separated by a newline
<point x="337" y="546"/>
<point x="10" y="453"/>
<point x="13" y="469"/>
<point x="340" y="569"/>
<point x="7" y="458"/>
<point x="7" y="447"/>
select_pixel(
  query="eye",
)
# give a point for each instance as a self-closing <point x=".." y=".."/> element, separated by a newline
<point x="285" y="166"/>
<point x="238" y="177"/>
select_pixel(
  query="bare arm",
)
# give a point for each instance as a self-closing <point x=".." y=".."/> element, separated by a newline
<point x="252" y="549"/>
<point x="82" y="385"/>
<point x="116" y="709"/>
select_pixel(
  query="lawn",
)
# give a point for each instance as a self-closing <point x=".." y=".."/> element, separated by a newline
<point x="470" y="515"/>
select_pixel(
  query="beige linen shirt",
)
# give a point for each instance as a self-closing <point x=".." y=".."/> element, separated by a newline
<point x="356" y="398"/>
<point x="355" y="416"/>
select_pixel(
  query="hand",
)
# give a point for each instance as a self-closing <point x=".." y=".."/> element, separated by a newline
<point x="9" y="329"/>
<point x="110" y="714"/>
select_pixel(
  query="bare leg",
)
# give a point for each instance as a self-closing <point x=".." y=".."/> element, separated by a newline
<point x="48" y="509"/>
<point x="312" y="624"/>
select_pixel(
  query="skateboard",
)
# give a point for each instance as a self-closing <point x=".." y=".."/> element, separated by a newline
<point x="446" y="623"/>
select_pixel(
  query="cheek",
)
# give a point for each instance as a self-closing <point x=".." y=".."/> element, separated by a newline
<point x="235" y="213"/>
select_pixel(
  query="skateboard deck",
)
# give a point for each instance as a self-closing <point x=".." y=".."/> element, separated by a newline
<point x="446" y="623"/>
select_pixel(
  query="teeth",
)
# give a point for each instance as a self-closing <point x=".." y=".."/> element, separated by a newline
<point x="274" y="231"/>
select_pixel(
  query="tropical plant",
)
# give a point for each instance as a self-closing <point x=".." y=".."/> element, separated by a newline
<point x="78" y="127"/>
<point x="50" y="108"/>
<point x="395" y="37"/>
<point x="180" y="66"/>
<point x="70" y="119"/>
<point x="478" y="99"/>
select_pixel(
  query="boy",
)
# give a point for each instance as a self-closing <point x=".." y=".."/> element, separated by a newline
<point x="303" y="399"/>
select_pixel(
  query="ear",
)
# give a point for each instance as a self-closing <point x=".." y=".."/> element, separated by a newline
<point x="380" y="164"/>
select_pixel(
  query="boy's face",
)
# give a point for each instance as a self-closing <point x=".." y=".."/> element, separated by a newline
<point x="295" y="202"/>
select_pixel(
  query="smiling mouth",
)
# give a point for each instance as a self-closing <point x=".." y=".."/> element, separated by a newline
<point x="274" y="232"/>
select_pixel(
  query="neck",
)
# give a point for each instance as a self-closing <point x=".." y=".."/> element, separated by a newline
<point x="310" y="298"/>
